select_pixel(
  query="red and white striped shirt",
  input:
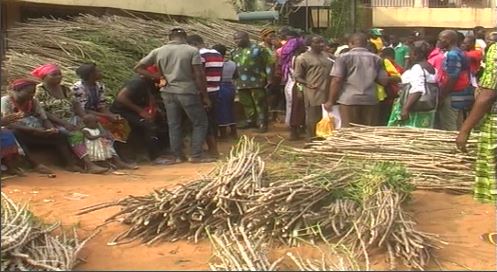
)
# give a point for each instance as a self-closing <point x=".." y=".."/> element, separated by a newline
<point x="213" y="66"/>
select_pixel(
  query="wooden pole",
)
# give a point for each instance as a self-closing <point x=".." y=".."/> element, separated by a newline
<point x="306" y="16"/>
<point x="353" y="8"/>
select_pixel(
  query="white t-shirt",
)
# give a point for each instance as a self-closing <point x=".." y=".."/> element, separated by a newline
<point x="339" y="49"/>
<point x="481" y="45"/>
<point x="416" y="77"/>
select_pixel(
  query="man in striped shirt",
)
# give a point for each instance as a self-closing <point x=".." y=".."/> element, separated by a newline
<point x="213" y="63"/>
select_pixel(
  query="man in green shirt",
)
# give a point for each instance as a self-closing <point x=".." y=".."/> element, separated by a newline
<point x="401" y="51"/>
<point x="254" y="69"/>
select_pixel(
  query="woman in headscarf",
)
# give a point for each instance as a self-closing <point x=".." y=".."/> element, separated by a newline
<point x="89" y="92"/>
<point x="34" y="128"/>
<point x="63" y="110"/>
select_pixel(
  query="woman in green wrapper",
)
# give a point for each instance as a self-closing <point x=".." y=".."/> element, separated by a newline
<point x="485" y="110"/>
<point x="420" y="73"/>
<point x="63" y="110"/>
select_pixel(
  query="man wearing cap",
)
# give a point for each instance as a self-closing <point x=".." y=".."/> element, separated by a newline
<point x="181" y="66"/>
<point x="376" y="38"/>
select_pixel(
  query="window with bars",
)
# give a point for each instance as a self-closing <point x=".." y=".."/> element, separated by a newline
<point x="431" y="3"/>
<point x="392" y="3"/>
<point x="457" y="3"/>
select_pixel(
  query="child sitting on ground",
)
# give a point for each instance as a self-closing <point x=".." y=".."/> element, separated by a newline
<point x="98" y="146"/>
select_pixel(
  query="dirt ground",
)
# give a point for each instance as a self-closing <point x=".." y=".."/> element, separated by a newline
<point x="458" y="219"/>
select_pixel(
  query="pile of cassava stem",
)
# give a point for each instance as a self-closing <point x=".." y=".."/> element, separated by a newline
<point x="295" y="195"/>
<point x="430" y="155"/>
<point x="114" y="43"/>
<point x="30" y="245"/>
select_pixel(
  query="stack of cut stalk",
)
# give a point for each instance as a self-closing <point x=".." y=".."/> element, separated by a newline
<point x="186" y="211"/>
<point x="115" y="43"/>
<point x="430" y="155"/>
<point x="235" y="250"/>
<point x="360" y="204"/>
<point x="28" y="245"/>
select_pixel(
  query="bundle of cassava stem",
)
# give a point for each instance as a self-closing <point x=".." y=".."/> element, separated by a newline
<point x="30" y="245"/>
<point x="285" y="202"/>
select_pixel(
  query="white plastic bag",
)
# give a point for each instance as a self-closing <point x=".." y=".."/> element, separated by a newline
<point x="335" y="113"/>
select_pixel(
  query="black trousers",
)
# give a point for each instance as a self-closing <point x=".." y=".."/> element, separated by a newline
<point x="56" y="141"/>
<point x="313" y="114"/>
<point x="154" y="135"/>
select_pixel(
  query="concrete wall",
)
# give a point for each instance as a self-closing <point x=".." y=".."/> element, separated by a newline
<point x="222" y="9"/>
<point x="434" y="17"/>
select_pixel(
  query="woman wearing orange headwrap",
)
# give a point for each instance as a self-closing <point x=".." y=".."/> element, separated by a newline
<point x="63" y="110"/>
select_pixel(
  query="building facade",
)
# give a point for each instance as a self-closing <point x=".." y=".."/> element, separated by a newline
<point x="461" y="14"/>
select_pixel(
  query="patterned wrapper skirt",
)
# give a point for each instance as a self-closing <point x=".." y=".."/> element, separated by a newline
<point x="100" y="149"/>
<point x="75" y="138"/>
<point x="224" y="110"/>
<point x="9" y="145"/>
<point x="486" y="160"/>
<point x="120" y="130"/>
<point x="416" y="119"/>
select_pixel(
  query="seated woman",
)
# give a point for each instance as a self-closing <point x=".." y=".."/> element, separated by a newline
<point x="135" y="102"/>
<point x="35" y="128"/>
<point x="11" y="151"/>
<point x="63" y="111"/>
<point x="89" y="92"/>
<point x="417" y="77"/>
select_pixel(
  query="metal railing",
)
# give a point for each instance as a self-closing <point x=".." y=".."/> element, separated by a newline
<point x="457" y="3"/>
<point x="392" y="3"/>
<point x="431" y="3"/>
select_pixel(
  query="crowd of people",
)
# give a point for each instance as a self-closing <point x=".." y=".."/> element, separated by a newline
<point x="447" y="82"/>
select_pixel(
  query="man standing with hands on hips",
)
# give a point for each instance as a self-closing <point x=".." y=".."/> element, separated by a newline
<point x="180" y="64"/>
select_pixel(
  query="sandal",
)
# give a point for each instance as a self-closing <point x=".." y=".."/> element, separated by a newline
<point x="97" y="170"/>
<point x="490" y="237"/>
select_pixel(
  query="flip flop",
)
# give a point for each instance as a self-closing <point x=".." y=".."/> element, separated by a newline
<point x="490" y="237"/>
